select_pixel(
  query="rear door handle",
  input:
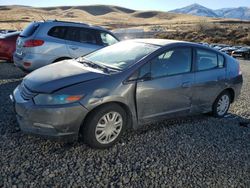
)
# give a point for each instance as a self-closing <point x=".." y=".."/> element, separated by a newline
<point x="186" y="84"/>
<point x="73" y="47"/>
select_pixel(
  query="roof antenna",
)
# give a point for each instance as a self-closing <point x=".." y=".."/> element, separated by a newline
<point x="42" y="17"/>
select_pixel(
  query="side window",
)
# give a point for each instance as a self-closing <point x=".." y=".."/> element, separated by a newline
<point x="108" y="39"/>
<point x="57" y="32"/>
<point x="172" y="62"/>
<point x="81" y="35"/>
<point x="73" y="34"/>
<point x="145" y="69"/>
<point x="206" y="60"/>
<point x="87" y="36"/>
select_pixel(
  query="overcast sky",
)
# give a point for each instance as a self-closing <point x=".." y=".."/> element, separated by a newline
<point x="163" y="5"/>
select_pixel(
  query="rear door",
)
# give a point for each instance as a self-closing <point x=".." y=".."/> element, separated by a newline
<point x="169" y="89"/>
<point x="81" y="41"/>
<point x="210" y="78"/>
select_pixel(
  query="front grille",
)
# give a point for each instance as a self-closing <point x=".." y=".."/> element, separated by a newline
<point x="26" y="93"/>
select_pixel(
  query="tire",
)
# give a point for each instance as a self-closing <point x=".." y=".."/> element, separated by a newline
<point x="221" y="104"/>
<point x="248" y="56"/>
<point x="104" y="135"/>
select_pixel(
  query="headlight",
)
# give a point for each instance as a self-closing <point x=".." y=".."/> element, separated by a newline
<point x="53" y="99"/>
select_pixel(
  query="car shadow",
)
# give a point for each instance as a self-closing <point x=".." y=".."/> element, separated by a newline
<point x="242" y="121"/>
<point x="7" y="120"/>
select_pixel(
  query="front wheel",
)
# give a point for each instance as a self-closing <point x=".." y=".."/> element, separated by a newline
<point x="104" y="126"/>
<point x="222" y="104"/>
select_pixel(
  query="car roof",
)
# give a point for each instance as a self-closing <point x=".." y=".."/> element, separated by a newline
<point x="69" y="23"/>
<point x="167" y="42"/>
<point x="158" y="42"/>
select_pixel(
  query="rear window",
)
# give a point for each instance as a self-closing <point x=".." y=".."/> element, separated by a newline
<point x="29" y="30"/>
<point x="220" y="61"/>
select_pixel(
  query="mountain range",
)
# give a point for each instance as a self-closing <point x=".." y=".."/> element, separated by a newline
<point x="242" y="13"/>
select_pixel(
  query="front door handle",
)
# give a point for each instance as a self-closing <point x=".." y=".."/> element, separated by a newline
<point x="73" y="47"/>
<point x="186" y="84"/>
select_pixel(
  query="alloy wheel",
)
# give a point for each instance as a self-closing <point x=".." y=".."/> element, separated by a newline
<point x="223" y="105"/>
<point x="108" y="127"/>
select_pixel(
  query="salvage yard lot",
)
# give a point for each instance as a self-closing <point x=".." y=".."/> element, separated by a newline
<point x="201" y="150"/>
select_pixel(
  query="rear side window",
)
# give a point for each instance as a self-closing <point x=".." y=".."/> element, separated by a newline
<point x="108" y="39"/>
<point x="220" y="61"/>
<point x="208" y="60"/>
<point x="81" y="35"/>
<point x="29" y="30"/>
<point x="57" y="32"/>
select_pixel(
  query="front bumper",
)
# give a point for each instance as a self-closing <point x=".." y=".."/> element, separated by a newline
<point x="60" y="122"/>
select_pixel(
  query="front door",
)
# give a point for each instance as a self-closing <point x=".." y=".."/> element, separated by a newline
<point x="81" y="41"/>
<point x="169" y="89"/>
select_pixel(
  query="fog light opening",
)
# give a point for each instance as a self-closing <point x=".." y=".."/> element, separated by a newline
<point x="27" y="64"/>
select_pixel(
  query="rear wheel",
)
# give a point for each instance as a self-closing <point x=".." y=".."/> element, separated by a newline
<point x="104" y="126"/>
<point x="222" y="104"/>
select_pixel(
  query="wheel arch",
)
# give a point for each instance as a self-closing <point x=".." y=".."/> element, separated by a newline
<point x="122" y="105"/>
<point x="231" y="92"/>
<point x="61" y="59"/>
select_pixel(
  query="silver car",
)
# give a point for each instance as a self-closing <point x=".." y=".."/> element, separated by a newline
<point x="125" y="85"/>
<point x="43" y="43"/>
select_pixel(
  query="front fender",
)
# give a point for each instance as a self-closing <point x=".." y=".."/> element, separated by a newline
<point x="123" y="95"/>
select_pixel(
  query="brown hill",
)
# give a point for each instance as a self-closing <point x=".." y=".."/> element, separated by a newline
<point x="163" y="24"/>
<point x="16" y="17"/>
<point x="95" y="10"/>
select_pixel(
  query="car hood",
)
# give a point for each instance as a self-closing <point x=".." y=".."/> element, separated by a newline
<point x="58" y="75"/>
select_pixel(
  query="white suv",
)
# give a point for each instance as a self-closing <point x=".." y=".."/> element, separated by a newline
<point x="42" y="43"/>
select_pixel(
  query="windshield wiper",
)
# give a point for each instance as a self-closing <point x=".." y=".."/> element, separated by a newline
<point x="93" y="65"/>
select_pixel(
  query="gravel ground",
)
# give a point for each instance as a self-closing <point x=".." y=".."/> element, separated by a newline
<point x="199" y="151"/>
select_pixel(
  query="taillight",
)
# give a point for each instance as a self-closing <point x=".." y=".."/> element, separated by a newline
<point x="33" y="43"/>
<point x="239" y="69"/>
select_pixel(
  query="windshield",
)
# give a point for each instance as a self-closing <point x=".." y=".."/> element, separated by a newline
<point x="121" y="55"/>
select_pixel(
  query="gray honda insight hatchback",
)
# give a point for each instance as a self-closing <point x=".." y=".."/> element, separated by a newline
<point x="125" y="85"/>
